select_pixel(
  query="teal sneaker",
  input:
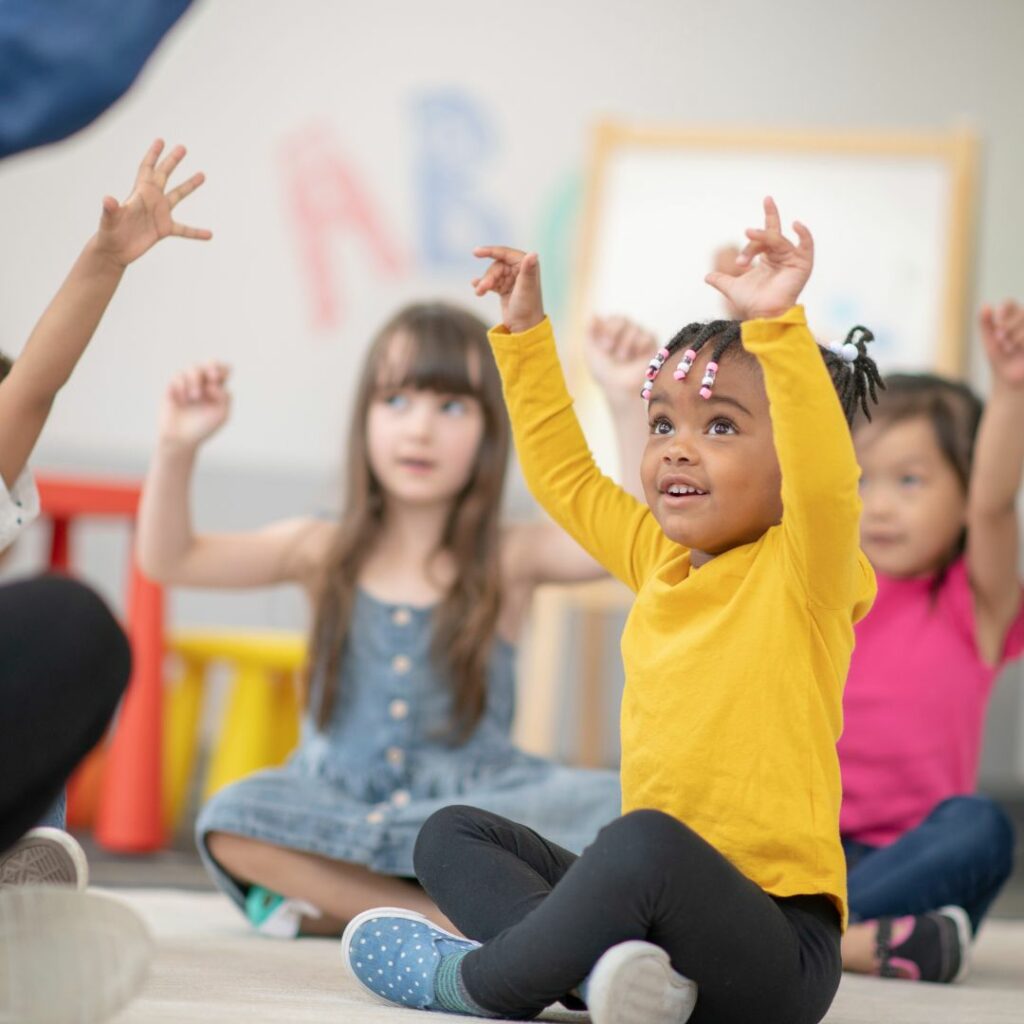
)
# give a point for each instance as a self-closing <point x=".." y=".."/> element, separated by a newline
<point x="403" y="959"/>
<point x="272" y="914"/>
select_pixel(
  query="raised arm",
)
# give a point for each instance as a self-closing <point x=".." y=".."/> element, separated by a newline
<point x="617" y="351"/>
<point x="993" y="531"/>
<point x="612" y="526"/>
<point x="821" y="505"/>
<point x="196" y="406"/>
<point x="126" y="232"/>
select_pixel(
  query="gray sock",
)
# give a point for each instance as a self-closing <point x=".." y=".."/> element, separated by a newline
<point x="450" y="990"/>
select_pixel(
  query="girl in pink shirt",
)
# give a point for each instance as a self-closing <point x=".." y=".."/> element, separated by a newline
<point x="926" y="856"/>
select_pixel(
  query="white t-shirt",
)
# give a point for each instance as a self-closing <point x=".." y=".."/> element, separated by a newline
<point x="18" y="507"/>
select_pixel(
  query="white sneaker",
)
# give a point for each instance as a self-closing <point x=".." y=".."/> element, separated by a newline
<point x="68" y="957"/>
<point x="45" y="856"/>
<point x="634" y="983"/>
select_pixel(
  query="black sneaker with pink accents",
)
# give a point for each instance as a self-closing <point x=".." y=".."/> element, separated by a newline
<point x="927" y="947"/>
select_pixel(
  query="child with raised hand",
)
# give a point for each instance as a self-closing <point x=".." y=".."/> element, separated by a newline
<point x="926" y="855"/>
<point x="65" y="954"/>
<point x="419" y="593"/>
<point x="721" y="892"/>
<point x="27" y="391"/>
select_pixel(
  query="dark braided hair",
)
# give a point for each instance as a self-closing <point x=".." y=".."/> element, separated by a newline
<point x="854" y="373"/>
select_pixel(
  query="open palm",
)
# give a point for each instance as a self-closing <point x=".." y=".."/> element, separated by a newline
<point x="129" y="229"/>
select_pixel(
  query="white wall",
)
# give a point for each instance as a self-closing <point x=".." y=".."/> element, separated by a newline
<point x="501" y="97"/>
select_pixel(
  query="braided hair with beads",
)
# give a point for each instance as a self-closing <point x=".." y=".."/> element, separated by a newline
<point x="854" y="373"/>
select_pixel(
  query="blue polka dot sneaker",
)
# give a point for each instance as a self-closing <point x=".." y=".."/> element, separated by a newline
<point x="402" y="958"/>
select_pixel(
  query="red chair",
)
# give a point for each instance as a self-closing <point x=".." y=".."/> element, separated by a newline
<point x="129" y="817"/>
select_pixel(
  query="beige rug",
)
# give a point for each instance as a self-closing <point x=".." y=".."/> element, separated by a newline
<point x="211" y="968"/>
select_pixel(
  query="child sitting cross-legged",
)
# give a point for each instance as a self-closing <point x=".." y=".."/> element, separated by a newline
<point x="720" y="894"/>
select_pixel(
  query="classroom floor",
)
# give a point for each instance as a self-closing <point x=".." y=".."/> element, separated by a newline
<point x="211" y="967"/>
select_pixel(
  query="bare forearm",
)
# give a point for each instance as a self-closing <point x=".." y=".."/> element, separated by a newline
<point x="165" y="534"/>
<point x="69" y="322"/>
<point x="999" y="454"/>
<point x="631" y="430"/>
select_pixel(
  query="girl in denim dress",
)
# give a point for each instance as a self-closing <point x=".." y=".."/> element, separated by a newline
<point x="418" y="595"/>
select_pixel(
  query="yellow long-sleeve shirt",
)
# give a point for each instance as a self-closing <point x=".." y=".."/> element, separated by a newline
<point x="734" y="671"/>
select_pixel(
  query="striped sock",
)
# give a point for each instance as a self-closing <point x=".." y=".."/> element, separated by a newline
<point x="450" y="990"/>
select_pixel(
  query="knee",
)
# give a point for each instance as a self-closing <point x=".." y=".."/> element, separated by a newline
<point x="434" y="844"/>
<point x="985" y="826"/>
<point x="89" y="634"/>
<point x="643" y="843"/>
<point x="237" y="855"/>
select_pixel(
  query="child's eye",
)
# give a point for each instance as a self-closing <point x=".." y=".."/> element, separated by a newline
<point x="721" y="427"/>
<point x="453" y="406"/>
<point x="661" y="426"/>
<point x="394" y="399"/>
<point x="910" y="480"/>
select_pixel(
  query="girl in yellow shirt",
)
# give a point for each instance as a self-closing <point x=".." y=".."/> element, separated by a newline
<point x="720" y="894"/>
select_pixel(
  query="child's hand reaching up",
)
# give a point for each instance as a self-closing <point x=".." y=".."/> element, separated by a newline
<point x="1002" y="333"/>
<point x="129" y="229"/>
<point x="515" y="277"/>
<point x="617" y="351"/>
<point x="771" y="285"/>
<point x="196" y="405"/>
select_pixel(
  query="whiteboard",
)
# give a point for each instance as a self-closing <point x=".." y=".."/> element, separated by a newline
<point x="890" y="219"/>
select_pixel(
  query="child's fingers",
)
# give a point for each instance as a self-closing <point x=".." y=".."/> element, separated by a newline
<point x="184" y="231"/>
<point x="194" y="383"/>
<point x="772" y="221"/>
<point x="493" y="279"/>
<point x="753" y="248"/>
<point x="176" y="195"/>
<point x="149" y="160"/>
<point x="806" y="244"/>
<point x="501" y="253"/>
<point x="165" y="168"/>
<point x="720" y="282"/>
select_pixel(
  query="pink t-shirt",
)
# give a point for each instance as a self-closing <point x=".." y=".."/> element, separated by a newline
<point x="914" y="705"/>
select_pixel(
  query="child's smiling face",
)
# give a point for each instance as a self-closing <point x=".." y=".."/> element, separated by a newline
<point x="710" y="473"/>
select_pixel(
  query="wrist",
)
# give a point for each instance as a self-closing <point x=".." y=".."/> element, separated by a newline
<point x="522" y="324"/>
<point x="102" y="258"/>
<point x="177" y="449"/>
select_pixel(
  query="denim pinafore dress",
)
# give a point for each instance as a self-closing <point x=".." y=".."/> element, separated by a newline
<point x="361" y="789"/>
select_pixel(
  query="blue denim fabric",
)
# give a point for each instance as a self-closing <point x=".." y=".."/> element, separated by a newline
<point x="360" y="790"/>
<point x="63" y="62"/>
<point x="961" y="854"/>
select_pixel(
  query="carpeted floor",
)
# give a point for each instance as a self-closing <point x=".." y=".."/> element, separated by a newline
<point x="211" y="968"/>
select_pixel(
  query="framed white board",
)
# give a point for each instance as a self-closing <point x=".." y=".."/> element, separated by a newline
<point x="892" y="218"/>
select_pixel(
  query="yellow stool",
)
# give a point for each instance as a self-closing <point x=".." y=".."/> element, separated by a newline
<point x="260" y="726"/>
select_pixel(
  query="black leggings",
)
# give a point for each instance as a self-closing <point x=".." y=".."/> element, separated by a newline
<point x="545" y="916"/>
<point x="63" y="668"/>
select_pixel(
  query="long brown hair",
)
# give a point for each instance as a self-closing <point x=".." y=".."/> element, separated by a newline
<point x="448" y="352"/>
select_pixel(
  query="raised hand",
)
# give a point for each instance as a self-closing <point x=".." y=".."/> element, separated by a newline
<point x="617" y="352"/>
<point x="196" y="405"/>
<point x="129" y="229"/>
<point x="1002" y="333"/>
<point x="514" y="276"/>
<point x="772" y="271"/>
